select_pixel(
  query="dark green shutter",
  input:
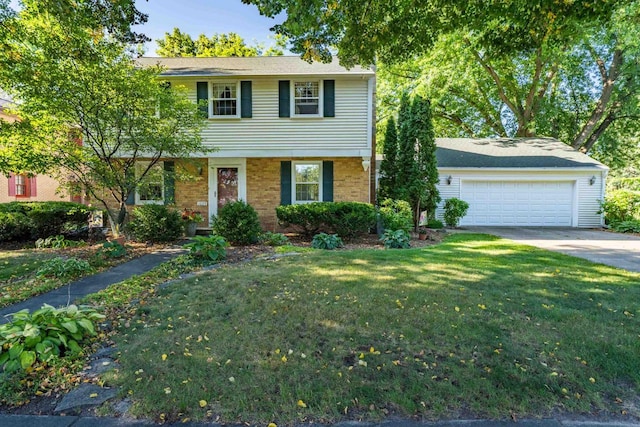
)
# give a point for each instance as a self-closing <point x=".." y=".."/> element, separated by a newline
<point x="131" y="198"/>
<point x="284" y="98"/>
<point x="169" y="183"/>
<point x="285" y="183"/>
<point x="327" y="181"/>
<point x="245" y="100"/>
<point x="203" y="98"/>
<point x="329" y="98"/>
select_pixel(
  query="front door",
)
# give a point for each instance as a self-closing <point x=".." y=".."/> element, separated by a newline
<point x="227" y="186"/>
<point x="227" y="182"/>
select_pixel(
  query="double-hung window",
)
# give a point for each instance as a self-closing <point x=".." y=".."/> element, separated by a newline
<point x="151" y="187"/>
<point x="307" y="181"/>
<point x="22" y="186"/>
<point x="306" y="98"/>
<point x="224" y="99"/>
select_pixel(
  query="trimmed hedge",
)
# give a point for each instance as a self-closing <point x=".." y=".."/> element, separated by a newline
<point x="238" y="223"/>
<point x="346" y="219"/>
<point x="34" y="220"/>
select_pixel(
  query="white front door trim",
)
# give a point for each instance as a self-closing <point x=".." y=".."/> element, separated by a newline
<point x="225" y="162"/>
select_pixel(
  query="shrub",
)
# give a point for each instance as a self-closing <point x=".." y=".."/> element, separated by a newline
<point x="14" y="226"/>
<point x="210" y="248"/>
<point x="395" y="239"/>
<point x="45" y="334"/>
<point x="112" y="250"/>
<point x="630" y="226"/>
<point x="238" y="223"/>
<point x="435" y="224"/>
<point x="273" y="239"/>
<point x="63" y="268"/>
<point x="155" y="223"/>
<point x="40" y="219"/>
<point x="326" y="241"/>
<point x="454" y="210"/>
<point x="632" y="184"/>
<point x="621" y="205"/>
<point x="56" y="242"/>
<point x="346" y="219"/>
<point x="396" y="215"/>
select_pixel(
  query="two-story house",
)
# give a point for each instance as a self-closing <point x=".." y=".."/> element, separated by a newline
<point x="285" y="131"/>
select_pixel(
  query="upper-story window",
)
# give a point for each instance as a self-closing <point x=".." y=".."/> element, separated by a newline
<point x="306" y="98"/>
<point x="225" y="99"/>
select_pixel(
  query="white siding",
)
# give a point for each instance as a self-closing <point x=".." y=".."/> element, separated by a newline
<point x="267" y="135"/>
<point x="586" y="197"/>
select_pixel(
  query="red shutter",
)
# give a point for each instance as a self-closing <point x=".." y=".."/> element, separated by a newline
<point x="12" y="185"/>
<point x="31" y="188"/>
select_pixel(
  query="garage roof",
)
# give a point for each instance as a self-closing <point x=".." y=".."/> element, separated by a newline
<point x="511" y="153"/>
<point x="249" y="66"/>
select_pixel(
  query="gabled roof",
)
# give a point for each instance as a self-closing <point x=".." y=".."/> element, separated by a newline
<point x="510" y="153"/>
<point x="249" y="66"/>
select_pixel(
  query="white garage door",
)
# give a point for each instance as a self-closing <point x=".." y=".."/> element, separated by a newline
<point x="530" y="203"/>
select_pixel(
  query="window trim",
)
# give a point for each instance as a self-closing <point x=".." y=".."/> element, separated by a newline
<point x="294" y="201"/>
<point x="139" y="201"/>
<point x="25" y="184"/>
<point x="292" y="102"/>
<point x="238" y="99"/>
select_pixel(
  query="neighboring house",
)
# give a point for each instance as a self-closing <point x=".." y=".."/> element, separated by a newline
<point x="285" y="131"/>
<point x="521" y="182"/>
<point x="25" y="188"/>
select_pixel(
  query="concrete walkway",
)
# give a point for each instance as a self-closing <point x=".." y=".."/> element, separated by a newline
<point x="614" y="249"/>
<point x="92" y="284"/>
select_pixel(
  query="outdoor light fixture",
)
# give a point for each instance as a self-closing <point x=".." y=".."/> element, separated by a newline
<point x="592" y="180"/>
<point x="449" y="179"/>
<point x="200" y="170"/>
<point x="365" y="164"/>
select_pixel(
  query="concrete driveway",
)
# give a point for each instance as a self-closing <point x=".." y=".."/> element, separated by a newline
<point x="614" y="249"/>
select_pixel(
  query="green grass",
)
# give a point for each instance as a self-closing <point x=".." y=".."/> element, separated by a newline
<point x="476" y="326"/>
<point x="17" y="270"/>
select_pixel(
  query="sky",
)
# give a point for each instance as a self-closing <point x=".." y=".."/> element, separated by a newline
<point x="195" y="17"/>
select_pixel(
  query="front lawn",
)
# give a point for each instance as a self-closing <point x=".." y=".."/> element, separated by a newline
<point x="18" y="268"/>
<point x="474" y="327"/>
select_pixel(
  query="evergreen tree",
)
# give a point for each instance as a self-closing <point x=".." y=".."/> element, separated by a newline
<point x="416" y="164"/>
<point x="387" y="185"/>
<point x="406" y="158"/>
<point x="427" y="163"/>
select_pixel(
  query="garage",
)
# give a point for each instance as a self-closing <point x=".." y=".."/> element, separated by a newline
<point x="523" y="203"/>
<point x="536" y="182"/>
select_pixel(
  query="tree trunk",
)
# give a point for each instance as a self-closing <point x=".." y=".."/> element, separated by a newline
<point x="609" y="78"/>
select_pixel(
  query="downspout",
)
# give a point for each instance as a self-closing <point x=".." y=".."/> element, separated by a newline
<point x="603" y="192"/>
<point x="372" y="167"/>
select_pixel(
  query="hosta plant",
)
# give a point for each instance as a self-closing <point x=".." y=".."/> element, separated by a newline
<point x="45" y="334"/>
<point x="64" y="268"/>
<point x="326" y="241"/>
<point x="211" y="248"/>
<point x="395" y="239"/>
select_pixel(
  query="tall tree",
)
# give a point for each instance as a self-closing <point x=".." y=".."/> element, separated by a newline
<point x="427" y="195"/>
<point x="76" y="85"/>
<point x="177" y="44"/>
<point x="387" y="185"/>
<point x="574" y="91"/>
<point x="366" y="31"/>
